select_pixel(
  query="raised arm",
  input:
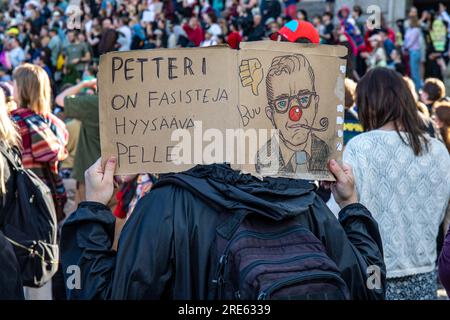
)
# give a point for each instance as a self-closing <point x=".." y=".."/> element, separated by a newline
<point x="74" y="90"/>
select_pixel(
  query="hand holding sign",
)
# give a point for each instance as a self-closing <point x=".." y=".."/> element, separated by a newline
<point x="251" y="74"/>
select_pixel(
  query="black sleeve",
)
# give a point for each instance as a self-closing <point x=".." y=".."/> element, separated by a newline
<point x="86" y="256"/>
<point x="10" y="279"/>
<point x="141" y="268"/>
<point x="363" y="232"/>
<point x="354" y="243"/>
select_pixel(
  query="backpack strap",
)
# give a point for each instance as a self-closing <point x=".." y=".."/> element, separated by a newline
<point x="15" y="164"/>
<point x="228" y="227"/>
<point x="12" y="155"/>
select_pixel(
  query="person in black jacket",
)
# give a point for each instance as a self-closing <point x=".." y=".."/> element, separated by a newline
<point x="10" y="277"/>
<point x="258" y="30"/>
<point x="10" y="282"/>
<point x="164" y="248"/>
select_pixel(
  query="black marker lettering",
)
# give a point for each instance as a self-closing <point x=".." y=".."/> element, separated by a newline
<point x="173" y="123"/>
<point x="131" y="101"/>
<point x="205" y="97"/>
<point x="224" y="95"/>
<point x="190" y="124"/>
<point x="130" y="156"/>
<point x="204" y="66"/>
<point x="157" y="60"/>
<point x="118" y="102"/>
<point x="217" y="96"/>
<point x="164" y="124"/>
<point x="126" y="70"/>
<point x="146" y="125"/>
<point x="198" y="92"/>
<point x="171" y="67"/>
<point x="169" y="153"/>
<point x="150" y="99"/>
<point x="143" y="157"/>
<point x="114" y="67"/>
<point x="154" y="156"/>
<point x="134" y="125"/>
<point x="188" y="66"/>
<point x="188" y="94"/>
<point x="120" y="153"/>
<point x="154" y="124"/>
<point x="120" y="125"/>
<point x="141" y="61"/>
<point x="164" y="97"/>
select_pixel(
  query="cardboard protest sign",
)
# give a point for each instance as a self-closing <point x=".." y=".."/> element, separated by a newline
<point x="270" y="109"/>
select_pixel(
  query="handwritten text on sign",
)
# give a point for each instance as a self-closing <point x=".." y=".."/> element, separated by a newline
<point x="148" y="96"/>
<point x="152" y="101"/>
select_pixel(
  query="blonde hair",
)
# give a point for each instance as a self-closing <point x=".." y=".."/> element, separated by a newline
<point x="33" y="88"/>
<point x="8" y="135"/>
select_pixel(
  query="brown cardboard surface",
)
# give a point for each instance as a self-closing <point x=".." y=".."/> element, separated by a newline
<point x="295" y="89"/>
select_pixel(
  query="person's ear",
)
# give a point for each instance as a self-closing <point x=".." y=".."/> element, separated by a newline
<point x="269" y="113"/>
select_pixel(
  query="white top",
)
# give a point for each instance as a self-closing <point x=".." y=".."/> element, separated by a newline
<point x="215" y="30"/>
<point x="407" y="195"/>
<point x="125" y="38"/>
<point x="16" y="56"/>
<point x="208" y="43"/>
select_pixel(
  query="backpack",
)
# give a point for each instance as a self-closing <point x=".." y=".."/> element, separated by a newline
<point x="254" y="257"/>
<point x="259" y="258"/>
<point x="29" y="224"/>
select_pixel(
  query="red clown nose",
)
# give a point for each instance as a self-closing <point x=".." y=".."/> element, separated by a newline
<point x="295" y="114"/>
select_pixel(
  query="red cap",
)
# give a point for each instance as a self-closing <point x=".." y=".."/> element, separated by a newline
<point x="296" y="29"/>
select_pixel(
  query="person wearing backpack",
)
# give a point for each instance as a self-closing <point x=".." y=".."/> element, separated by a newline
<point x="10" y="278"/>
<point x="44" y="136"/>
<point x="214" y="233"/>
<point x="44" y="139"/>
<point x="184" y="237"/>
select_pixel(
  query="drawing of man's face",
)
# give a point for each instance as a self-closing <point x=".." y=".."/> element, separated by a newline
<point x="292" y="99"/>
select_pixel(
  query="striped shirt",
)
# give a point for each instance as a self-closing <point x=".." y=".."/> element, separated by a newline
<point x="44" y="140"/>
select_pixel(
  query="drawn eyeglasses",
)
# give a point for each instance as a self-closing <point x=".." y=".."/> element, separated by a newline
<point x="283" y="103"/>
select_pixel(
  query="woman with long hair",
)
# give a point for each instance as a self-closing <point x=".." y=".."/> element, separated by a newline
<point x="398" y="167"/>
<point x="44" y="136"/>
<point x="10" y="283"/>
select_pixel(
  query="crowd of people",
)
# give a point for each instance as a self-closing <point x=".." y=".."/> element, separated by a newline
<point x="67" y="39"/>
<point x="392" y="193"/>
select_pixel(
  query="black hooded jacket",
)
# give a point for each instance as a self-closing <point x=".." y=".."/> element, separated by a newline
<point x="10" y="276"/>
<point x="164" y="247"/>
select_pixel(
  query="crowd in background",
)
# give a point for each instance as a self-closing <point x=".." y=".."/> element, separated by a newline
<point x="50" y="49"/>
<point x="66" y="39"/>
